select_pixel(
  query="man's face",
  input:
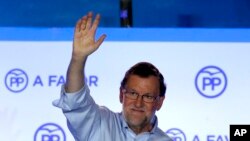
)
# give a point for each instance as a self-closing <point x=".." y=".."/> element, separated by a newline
<point x="137" y="112"/>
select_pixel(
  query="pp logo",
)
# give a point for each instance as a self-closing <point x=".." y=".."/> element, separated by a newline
<point x="16" y="80"/>
<point x="176" y="134"/>
<point x="50" y="132"/>
<point x="211" y="81"/>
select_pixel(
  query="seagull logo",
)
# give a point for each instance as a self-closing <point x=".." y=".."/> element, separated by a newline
<point x="211" y="81"/>
<point x="176" y="134"/>
<point x="50" y="132"/>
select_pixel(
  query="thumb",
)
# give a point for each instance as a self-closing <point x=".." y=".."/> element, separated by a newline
<point x="100" y="41"/>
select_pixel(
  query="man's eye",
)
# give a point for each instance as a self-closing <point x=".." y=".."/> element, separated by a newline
<point x="133" y="93"/>
<point x="149" y="97"/>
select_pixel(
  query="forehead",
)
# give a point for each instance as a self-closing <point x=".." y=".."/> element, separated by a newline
<point x="144" y="84"/>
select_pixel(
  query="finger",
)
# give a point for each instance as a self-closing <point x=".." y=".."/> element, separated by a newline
<point x="96" y="23"/>
<point x="100" y="41"/>
<point x="78" y="25"/>
<point x="83" y="23"/>
<point x="89" y="20"/>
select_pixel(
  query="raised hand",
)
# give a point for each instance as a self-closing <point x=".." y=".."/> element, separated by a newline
<point x="83" y="45"/>
<point x="84" y="37"/>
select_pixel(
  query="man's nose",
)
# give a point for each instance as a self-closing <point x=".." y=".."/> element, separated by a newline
<point x="139" y="101"/>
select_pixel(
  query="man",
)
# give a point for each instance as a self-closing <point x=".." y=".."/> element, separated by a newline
<point x="142" y="93"/>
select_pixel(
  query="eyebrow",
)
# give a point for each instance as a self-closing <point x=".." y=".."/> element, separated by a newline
<point x="148" y="93"/>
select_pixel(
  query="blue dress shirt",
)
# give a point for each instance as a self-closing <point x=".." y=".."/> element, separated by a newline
<point x="89" y="122"/>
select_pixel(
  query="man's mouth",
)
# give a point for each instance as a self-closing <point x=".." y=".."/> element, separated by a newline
<point x="137" y="110"/>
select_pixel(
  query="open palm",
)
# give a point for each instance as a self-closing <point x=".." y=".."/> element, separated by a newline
<point x="84" y="37"/>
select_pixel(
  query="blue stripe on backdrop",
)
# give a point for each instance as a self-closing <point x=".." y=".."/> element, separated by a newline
<point x="130" y="34"/>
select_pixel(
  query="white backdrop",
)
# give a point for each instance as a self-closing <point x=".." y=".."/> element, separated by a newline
<point x="207" y="85"/>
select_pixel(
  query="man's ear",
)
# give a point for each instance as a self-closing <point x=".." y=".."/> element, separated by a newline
<point x="160" y="102"/>
<point x="121" y="96"/>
